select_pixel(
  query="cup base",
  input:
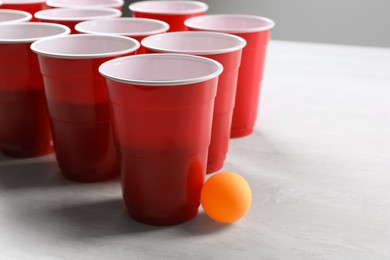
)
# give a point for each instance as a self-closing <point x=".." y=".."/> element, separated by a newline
<point x="90" y="175"/>
<point x="27" y="153"/>
<point x="156" y="221"/>
<point x="241" y="132"/>
<point x="215" y="165"/>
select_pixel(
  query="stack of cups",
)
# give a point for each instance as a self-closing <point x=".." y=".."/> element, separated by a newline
<point x="24" y="122"/>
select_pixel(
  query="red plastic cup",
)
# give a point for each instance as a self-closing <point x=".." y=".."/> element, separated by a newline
<point x="24" y="121"/>
<point x="72" y="16"/>
<point x="224" y="48"/>
<point x="136" y="28"/>
<point x="117" y="4"/>
<point x="172" y="12"/>
<point x="256" y="31"/>
<point x="78" y="102"/>
<point x="13" y="16"/>
<point x="30" y="6"/>
<point x="162" y="106"/>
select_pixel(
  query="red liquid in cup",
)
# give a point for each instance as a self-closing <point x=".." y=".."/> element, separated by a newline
<point x="24" y="122"/>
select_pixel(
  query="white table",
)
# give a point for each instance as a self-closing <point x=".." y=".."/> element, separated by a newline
<point x="318" y="164"/>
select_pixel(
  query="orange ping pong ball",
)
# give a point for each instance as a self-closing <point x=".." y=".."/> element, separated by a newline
<point x="226" y="197"/>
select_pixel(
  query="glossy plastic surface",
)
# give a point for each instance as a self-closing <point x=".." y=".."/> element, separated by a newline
<point x="164" y="142"/>
<point x="230" y="58"/>
<point x="249" y="83"/>
<point x="78" y="104"/>
<point x="163" y="134"/>
<point x="24" y="121"/>
<point x="79" y="111"/>
<point x="257" y="35"/>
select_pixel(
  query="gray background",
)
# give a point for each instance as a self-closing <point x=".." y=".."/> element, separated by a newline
<point x="353" y="22"/>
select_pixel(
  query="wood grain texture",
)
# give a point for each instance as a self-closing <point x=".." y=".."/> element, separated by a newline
<point x="318" y="164"/>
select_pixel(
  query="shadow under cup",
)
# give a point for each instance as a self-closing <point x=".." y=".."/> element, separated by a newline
<point x="162" y="106"/>
<point x="24" y="122"/>
<point x="78" y="102"/>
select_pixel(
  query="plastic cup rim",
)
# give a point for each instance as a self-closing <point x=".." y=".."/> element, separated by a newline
<point x="35" y="24"/>
<point x="241" y="43"/>
<point x="162" y="83"/>
<point x="51" y="3"/>
<point x="41" y="14"/>
<point x="27" y="15"/>
<point x="270" y="23"/>
<point x="35" y="49"/>
<point x="165" y="26"/>
<point x="201" y="7"/>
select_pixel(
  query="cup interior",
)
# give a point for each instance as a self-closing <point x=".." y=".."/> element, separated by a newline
<point x="123" y="26"/>
<point x="194" y="42"/>
<point x="75" y="14"/>
<point x="85" y="46"/>
<point x="13" y="16"/>
<point x="230" y="23"/>
<point x="161" y="69"/>
<point x="29" y="32"/>
<point x="169" y="7"/>
<point x="85" y="3"/>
